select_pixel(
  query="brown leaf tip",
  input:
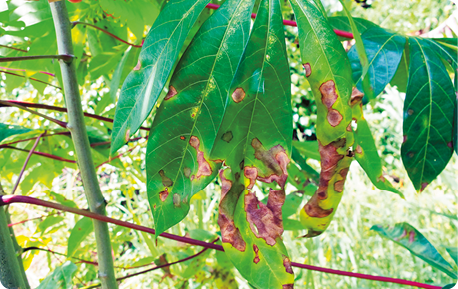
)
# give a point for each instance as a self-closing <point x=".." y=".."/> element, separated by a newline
<point x="265" y="220"/>
<point x="164" y="194"/>
<point x="172" y="92"/>
<point x="256" y="251"/>
<point x="423" y="186"/>
<point x="238" y="95"/>
<point x="287" y="264"/>
<point x="356" y="96"/>
<point x="230" y="234"/>
<point x="308" y="69"/>
<point x="204" y="167"/>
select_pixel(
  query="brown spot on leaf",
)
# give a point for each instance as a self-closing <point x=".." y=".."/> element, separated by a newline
<point x="127" y="136"/>
<point x="410" y="111"/>
<point x="238" y="95"/>
<point x="166" y="181"/>
<point x="334" y="117"/>
<point x="328" y="93"/>
<point x="256" y="251"/>
<point x="187" y="172"/>
<point x="227" y="136"/>
<point x="287" y="265"/>
<point x="308" y="69"/>
<point x="275" y="160"/>
<point x="288" y="286"/>
<point x="265" y="220"/>
<point x="404" y="138"/>
<point x="356" y="96"/>
<point x="339" y="185"/>
<point x="450" y="144"/>
<point x="176" y="200"/>
<point x="172" y="92"/>
<point x="164" y="194"/>
<point x="313" y="209"/>
<point x="423" y="186"/>
<point x="411" y="236"/>
<point x="322" y="194"/>
<point x="251" y="173"/>
<point x="204" y="167"/>
<point x="138" y="66"/>
<point x="349" y="127"/>
<point x="230" y="234"/>
<point x="359" y="149"/>
<point x="182" y="138"/>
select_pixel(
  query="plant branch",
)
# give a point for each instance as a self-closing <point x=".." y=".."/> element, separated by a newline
<point x="31" y="78"/>
<point x="14" y="48"/>
<point x="106" y="32"/>
<point x="77" y="128"/>
<point x="64" y="57"/>
<point x="32" y="219"/>
<point x="32" y="138"/>
<point x="46" y="155"/>
<point x="23" y="70"/>
<point x="6" y="200"/>
<point x="15" y="104"/>
<point x="290" y="23"/>
<point x="26" y="162"/>
<point x="61" y="109"/>
<point x="115" y="157"/>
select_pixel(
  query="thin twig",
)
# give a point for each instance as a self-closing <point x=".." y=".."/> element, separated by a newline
<point x="33" y="219"/>
<point x="61" y="109"/>
<point x="115" y="157"/>
<point x="106" y="32"/>
<point x="32" y="138"/>
<point x="31" y="78"/>
<point x="15" y="104"/>
<point x="6" y="200"/>
<point x="14" y="48"/>
<point x="64" y="57"/>
<point x="46" y="155"/>
<point x="23" y="70"/>
<point x="26" y="162"/>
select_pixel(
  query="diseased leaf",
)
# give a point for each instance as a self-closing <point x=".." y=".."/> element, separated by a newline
<point x="384" y="51"/>
<point x="79" y="233"/>
<point x="178" y="163"/>
<point x="160" y="50"/>
<point x="328" y="71"/>
<point x="254" y="141"/>
<point x="428" y="111"/>
<point x="408" y="237"/>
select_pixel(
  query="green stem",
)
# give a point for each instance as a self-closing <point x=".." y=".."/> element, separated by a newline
<point x="77" y="129"/>
<point x="12" y="274"/>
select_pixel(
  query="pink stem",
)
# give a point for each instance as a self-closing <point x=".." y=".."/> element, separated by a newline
<point x="31" y="78"/>
<point x="6" y="200"/>
<point x="106" y="32"/>
<point x="115" y="157"/>
<point x="291" y="23"/>
<point x="17" y="69"/>
<point x="46" y="155"/>
<point x="26" y="162"/>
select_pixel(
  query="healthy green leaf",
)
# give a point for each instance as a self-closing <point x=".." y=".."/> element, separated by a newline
<point x="48" y="223"/>
<point x="453" y="252"/>
<point x="178" y="164"/>
<point x="160" y="50"/>
<point x="408" y="237"/>
<point x="308" y="148"/>
<point x="341" y="23"/>
<point x="7" y="130"/>
<point x="79" y="233"/>
<point x="254" y="141"/>
<point x="428" y="115"/>
<point x="60" y="278"/>
<point x="384" y="51"/>
<point x="447" y="52"/>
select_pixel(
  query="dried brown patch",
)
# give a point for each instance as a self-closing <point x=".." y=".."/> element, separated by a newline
<point x="423" y="186"/>
<point x="356" y="96"/>
<point x="204" y="167"/>
<point x="164" y="194"/>
<point x="339" y="185"/>
<point x="251" y="173"/>
<point x="238" y="95"/>
<point x="226" y="184"/>
<point x="288" y="286"/>
<point x="187" y="172"/>
<point x="308" y="69"/>
<point x="328" y="93"/>
<point x="172" y="92"/>
<point x="230" y="234"/>
<point x="287" y="265"/>
<point x="256" y="252"/>
<point x="166" y="181"/>
<point x="127" y="136"/>
<point x="359" y="149"/>
<point x="410" y="111"/>
<point x="334" y="117"/>
<point x="349" y="127"/>
<point x="275" y="160"/>
<point x="265" y="220"/>
<point x="227" y="136"/>
<point x="176" y="200"/>
<point x="138" y="66"/>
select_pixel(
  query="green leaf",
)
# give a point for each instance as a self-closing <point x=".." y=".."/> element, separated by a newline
<point x="160" y="50"/>
<point x="79" y="233"/>
<point x="128" y="12"/>
<point x="445" y="51"/>
<point x="103" y="64"/>
<point x="408" y="237"/>
<point x="7" y="130"/>
<point x="384" y="51"/>
<point x="401" y="77"/>
<point x="62" y="200"/>
<point x="308" y="148"/>
<point x="254" y="141"/>
<point x="178" y="164"/>
<point x="61" y="277"/>
<point x="428" y="115"/>
<point x="449" y="286"/>
<point x="48" y="223"/>
<point x="341" y="23"/>
<point x="453" y="252"/>
<point x="367" y="155"/>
